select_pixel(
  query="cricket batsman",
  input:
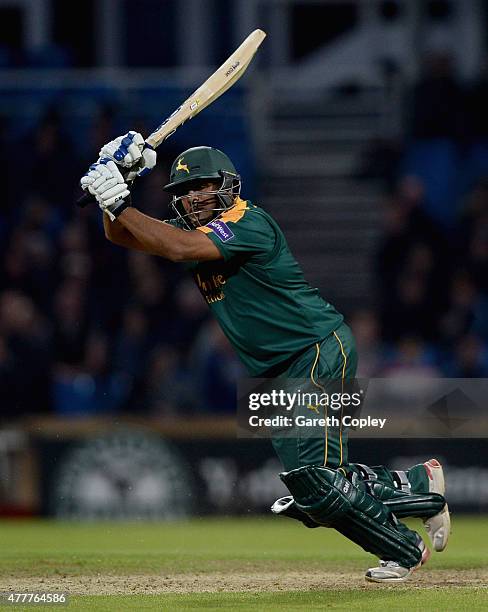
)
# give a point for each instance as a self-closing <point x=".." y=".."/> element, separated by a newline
<point x="280" y="327"/>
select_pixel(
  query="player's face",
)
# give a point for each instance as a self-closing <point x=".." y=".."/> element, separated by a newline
<point x="200" y="205"/>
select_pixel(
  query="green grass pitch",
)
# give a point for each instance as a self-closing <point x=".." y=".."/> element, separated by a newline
<point x="230" y="564"/>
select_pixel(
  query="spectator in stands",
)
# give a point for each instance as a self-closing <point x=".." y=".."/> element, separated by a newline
<point x="459" y="317"/>
<point x="8" y="382"/>
<point x="438" y="104"/>
<point x="470" y="359"/>
<point x="366" y="330"/>
<point x="477" y="256"/>
<point x="37" y="172"/>
<point x="191" y="311"/>
<point x="216" y="369"/>
<point x="413" y="266"/>
<point x="101" y="130"/>
<point x="131" y="347"/>
<point x="169" y="385"/>
<point x="24" y="356"/>
<point x="477" y="103"/>
<point x="149" y="287"/>
<point x="409" y="311"/>
<point x="411" y="358"/>
<point x="6" y="162"/>
<point x="92" y="388"/>
<point x="380" y="159"/>
<point x="70" y="319"/>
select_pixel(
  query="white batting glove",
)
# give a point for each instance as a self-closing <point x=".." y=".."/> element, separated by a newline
<point x="106" y="183"/>
<point x="130" y="151"/>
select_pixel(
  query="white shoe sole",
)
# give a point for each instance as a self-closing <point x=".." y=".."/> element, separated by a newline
<point x="377" y="574"/>
<point x="439" y="526"/>
<point x="386" y="580"/>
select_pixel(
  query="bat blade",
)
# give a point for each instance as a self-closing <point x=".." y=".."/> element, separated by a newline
<point x="217" y="84"/>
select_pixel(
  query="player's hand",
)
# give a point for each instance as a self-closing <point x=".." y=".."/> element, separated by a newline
<point x="130" y="151"/>
<point x="105" y="181"/>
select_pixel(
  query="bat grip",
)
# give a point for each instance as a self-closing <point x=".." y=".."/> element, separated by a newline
<point x="85" y="199"/>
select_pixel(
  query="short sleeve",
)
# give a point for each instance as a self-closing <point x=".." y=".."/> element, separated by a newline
<point x="251" y="234"/>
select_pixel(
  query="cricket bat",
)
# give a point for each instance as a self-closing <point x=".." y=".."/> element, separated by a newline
<point x="217" y="84"/>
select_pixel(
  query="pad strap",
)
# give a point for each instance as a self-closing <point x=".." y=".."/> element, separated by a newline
<point x="407" y="504"/>
<point x="365" y="471"/>
<point x="401" y="481"/>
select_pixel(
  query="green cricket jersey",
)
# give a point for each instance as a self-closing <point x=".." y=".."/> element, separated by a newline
<point x="258" y="292"/>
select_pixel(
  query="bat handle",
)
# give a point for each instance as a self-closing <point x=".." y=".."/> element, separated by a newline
<point x="85" y="199"/>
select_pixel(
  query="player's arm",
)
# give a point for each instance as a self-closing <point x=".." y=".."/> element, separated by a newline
<point x="135" y="230"/>
<point x="162" y="239"/>
<point x="119" y="235"/>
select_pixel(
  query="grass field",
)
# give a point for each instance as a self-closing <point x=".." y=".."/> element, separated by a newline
<point x="231" y="564"/>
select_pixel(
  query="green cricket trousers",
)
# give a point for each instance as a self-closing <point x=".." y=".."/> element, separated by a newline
<point x="325" y="367"/>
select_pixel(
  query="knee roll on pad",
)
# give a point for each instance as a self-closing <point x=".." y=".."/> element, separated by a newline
<point x="317" y="494"/>
<point x="333" y="501"/>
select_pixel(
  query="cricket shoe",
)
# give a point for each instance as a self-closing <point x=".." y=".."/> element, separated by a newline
<point x="391" y="571"/>
<point x="439" y="526"/>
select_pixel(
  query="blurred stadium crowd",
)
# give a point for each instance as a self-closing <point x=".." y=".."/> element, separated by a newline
<point x="89" y="328"/>
<point x="432" y="259"/>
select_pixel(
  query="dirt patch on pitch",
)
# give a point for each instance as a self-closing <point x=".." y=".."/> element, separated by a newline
<point x="111" y="584"/>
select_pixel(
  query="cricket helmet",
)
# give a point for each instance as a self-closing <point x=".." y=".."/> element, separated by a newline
<point x="189" y="170"/>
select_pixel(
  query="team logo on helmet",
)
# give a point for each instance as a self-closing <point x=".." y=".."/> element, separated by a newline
<point x="181" y="166"/>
